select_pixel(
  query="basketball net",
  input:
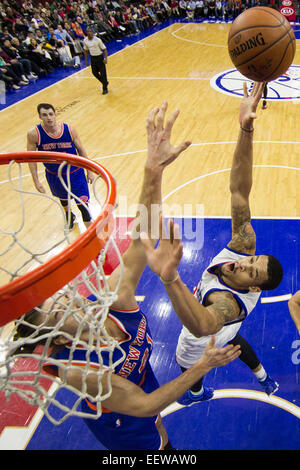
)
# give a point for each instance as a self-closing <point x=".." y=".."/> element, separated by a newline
<point x="27" y="367"/>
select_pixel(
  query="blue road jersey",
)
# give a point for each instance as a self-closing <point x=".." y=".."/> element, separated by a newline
<point x="75" y="178"/>
<point x="114" y="430"/>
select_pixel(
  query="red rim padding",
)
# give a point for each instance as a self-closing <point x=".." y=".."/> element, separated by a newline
<point x="33" y="288"/>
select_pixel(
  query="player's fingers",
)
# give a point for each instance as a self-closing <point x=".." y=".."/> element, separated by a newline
<point x="245" y="90"/>
<point x="179" y="252"/>
<point x="146" y="242"/>
<point x="183" y="146"/>
<point x="171" y="230"/>
<point x="170" y="122"/>
<point x="162" y="229"/>
<point x="234" y="352"/>
<point x="150" y="122"/>
<point x="227" y="348"/>
<point x="254" y="87"/>
<point x="176" y="231"/>
<point x="257" y="91"/>
<point x="161" y="116"/>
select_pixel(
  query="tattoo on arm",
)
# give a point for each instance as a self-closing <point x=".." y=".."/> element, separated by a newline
<point x="225" y="309"/>
<point x="240" y="216"/>
<point x="243" y="235"/>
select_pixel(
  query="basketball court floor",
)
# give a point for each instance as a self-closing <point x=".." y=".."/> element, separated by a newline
<point x="187" y="64"/>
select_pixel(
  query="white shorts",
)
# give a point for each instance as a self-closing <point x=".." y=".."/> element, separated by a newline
<point x="190" y="349"/>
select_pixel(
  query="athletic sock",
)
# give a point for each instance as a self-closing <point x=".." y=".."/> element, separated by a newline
<point x="261" y="375"/>
<point x="198" y="394"/>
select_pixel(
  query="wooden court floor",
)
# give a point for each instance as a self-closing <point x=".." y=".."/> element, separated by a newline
<point x="175" y="64"/>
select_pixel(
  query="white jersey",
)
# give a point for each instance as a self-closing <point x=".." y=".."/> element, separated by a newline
<point x="189" y="348"/>
<point x="95" y="46"/>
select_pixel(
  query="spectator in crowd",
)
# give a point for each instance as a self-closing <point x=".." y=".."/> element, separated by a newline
<point x="78" y="31"/>
<point x="102" y="26"/>
<point x="190" y="9"/>
<point x="175" y="7"/>
<point x="78" y="43"/>
<point x="8" y="80"/>
<point x="182" y="8"/>
<point x="16" y="65"/>
<point x="23" y="51"/>
<point x="11" y="71"/>
<point x="9" y="77"/>
<point x="41" y="57"/>
<point x="211" y="8"/>
<point x="219" y="9"/>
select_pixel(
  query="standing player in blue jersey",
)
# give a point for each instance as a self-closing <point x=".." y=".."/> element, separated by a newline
<point x="131" y="419"/>
<point x="52" y="136"/>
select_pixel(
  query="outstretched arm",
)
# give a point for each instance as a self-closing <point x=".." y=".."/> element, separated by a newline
<point x="243" y="235"/>
<point x="294" y="308"/>
<point x="164" y="261"/>
<point x="127" y="398"/>
<point x="160" y="154"/>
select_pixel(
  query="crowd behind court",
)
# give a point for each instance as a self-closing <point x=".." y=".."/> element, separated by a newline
<point x="38" y="38"/>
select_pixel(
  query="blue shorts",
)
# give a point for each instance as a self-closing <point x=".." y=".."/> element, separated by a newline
<point x="116" y="431"/>
<point x="78" y="183"/>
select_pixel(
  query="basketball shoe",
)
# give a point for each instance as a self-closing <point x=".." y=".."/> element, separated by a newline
<point x="269" y="385"/>
<point x="189" y="398"/>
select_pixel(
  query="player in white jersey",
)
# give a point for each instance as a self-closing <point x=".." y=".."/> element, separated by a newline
<point x="294" y="308"/>
<point x="189" y="347"/>
<point x="231" y="285"/>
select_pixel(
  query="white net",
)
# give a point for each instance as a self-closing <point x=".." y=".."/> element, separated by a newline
<point x="37" y="355"/>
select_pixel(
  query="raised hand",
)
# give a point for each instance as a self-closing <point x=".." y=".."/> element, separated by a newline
<point x="160" y="151"/>
<point x="165" y="259"/>
<point x="249" y="104"/>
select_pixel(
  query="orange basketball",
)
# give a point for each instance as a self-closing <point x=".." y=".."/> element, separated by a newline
<point x="261" y="44"/>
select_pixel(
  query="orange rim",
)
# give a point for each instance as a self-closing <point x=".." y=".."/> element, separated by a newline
<point x="22" y="294"/>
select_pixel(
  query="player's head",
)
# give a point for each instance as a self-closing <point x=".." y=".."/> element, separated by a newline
<point x="45" y="106"/>
<point x="27" y="328"/>
<point x="50" y="320"/>
<point x="47" y="113"/>
<point x="89" y="33"/>
<point x="257" y="273"/>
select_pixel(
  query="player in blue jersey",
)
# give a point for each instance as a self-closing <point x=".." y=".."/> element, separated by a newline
<point x="52" y="136"/>
<point x="131" y="419"/>
<point x="231" y="285"/>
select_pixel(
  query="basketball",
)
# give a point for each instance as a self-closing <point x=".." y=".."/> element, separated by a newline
<point x="261" y="44"/>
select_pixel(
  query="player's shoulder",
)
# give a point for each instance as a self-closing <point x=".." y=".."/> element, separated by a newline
<point x="32" y="132"/>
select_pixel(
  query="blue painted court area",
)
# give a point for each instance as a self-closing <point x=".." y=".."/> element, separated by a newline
<point x="250" y="420"/>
